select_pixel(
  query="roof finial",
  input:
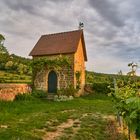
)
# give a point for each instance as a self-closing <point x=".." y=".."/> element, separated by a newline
<point x="81" y="25"/>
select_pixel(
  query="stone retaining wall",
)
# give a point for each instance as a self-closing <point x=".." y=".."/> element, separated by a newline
<point x="9" y="91"/>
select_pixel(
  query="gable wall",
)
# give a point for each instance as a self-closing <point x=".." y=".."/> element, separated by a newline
<point x="79" y="64"/>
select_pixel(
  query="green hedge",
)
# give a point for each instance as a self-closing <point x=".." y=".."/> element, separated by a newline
<point x="39" y="94"/>
<point x="24" y="97"/>
<point x="101" y="87"/>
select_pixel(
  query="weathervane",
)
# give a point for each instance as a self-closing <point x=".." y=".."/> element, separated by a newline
<point x="81" y="25"/>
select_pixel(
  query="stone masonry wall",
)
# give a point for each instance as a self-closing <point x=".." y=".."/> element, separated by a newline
<point x="40" y="80"/>
<point x="9" y="91"/>
<point x="64" y="76"/>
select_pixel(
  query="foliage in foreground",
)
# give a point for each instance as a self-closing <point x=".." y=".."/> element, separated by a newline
<point x="127" y="102"/>
<point x="24" y="97"/>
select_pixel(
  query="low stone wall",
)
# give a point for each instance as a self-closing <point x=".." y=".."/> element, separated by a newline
<point x="9" y="91"/>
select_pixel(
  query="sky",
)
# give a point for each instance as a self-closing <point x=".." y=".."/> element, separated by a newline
<point x="111" y="28"/>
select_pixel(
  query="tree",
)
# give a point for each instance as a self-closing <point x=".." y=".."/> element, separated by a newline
<point x="3" y="49"/>
<point x="1" y="39"/>
<point x="9" y="65"/>
<point x="22" y="68"/>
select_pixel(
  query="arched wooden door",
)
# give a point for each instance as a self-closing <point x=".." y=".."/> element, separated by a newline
<point x="52" y="82"/>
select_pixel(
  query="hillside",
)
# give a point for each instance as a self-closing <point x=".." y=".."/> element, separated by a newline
<point x="94" y="77"/>
<point x="8" y="77"/>
<point x="100" y="81"/>
<point x="14" y="69"/>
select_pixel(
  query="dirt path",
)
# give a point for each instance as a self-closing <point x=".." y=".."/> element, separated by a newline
<point x="115" y="132"/>
<point x="112" y="128"/>
<point x="59" y="130"/>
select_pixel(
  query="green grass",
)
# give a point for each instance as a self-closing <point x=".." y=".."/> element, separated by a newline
<point x="26" y="119"/>
<point x="7" y="77"/>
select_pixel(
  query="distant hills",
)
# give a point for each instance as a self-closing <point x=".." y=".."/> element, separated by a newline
<point x="95" y="77"/>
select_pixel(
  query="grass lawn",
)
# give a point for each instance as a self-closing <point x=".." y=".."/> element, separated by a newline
<point x="84" y="118"/>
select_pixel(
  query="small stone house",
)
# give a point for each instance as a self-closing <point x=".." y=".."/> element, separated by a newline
<point x="66" y="44"/>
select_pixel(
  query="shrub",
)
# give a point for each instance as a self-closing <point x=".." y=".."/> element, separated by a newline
<point x="23" y="97"/>
<point x="11" y="78"/>
<point x="69" y="91"/>
<point x="2" y="80"/>
<point x="39" y="94"/>
<point x="101" y="87"/>
<point x="22" y="78"/>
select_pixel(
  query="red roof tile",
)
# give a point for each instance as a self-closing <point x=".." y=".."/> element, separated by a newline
<point x="59" y="43"/>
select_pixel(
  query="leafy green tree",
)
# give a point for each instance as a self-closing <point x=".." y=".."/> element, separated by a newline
<point x="127" y="103"/>
<point x="9" y="65"/>
<point x="1" y="39"/>
<point x="13" y="63"/>
<point x="25" y="69"/>
<point x="20" y="68"/>
<point x="3" y="49"/>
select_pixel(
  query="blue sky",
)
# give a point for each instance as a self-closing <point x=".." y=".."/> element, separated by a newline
<point x="111" y="28"/>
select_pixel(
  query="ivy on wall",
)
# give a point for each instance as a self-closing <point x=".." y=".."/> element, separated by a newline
<point x="58" y="63"/>
<point x="78" y="82"/>
<point x="40" y="63"/>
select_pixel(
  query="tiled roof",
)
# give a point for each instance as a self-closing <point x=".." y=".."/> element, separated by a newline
<point x="59" y="43"/>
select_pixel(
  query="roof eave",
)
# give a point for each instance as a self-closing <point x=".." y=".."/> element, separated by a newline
<point x="51" y="54"/>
